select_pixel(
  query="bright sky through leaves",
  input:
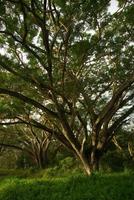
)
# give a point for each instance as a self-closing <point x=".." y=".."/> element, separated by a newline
<point x="113" y="7"/>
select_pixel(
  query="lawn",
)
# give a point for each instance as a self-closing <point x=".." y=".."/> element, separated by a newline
<point x="114" y="186"/>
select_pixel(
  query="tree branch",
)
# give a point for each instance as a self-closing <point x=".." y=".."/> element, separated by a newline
<point x="28" y="100"/>
<point x="115" y="99"/>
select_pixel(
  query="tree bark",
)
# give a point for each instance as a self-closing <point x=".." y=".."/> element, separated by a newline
<point x="86" y="164"/>
<point x="90" y="161"/>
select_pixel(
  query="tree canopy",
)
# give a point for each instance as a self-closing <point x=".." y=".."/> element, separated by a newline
<point x="67" y="67"/>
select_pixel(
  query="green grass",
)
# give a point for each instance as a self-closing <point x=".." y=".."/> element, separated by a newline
<point x="115" y="186"/>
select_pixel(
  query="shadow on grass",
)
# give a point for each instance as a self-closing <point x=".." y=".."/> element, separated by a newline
<point x="96" y="187"/>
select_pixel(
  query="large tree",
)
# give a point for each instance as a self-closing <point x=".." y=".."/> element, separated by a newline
<point x="70" y="63"/>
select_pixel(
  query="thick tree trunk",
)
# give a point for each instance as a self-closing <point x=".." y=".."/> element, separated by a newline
<point x="90" y="162"/>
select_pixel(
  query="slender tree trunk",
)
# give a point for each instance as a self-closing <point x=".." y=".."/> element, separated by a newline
<point x="95" y="160"/>
<point x="86" y="164"/>
<point x="96" y="164"/>
<point x="42" y="159"/>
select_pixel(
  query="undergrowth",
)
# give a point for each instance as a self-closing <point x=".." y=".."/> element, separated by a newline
<point x="114" y="186"/>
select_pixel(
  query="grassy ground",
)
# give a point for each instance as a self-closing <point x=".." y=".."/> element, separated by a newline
<point x="114" y="186"/>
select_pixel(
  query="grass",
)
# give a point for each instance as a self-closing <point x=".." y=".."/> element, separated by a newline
<point x="114" y="186"/>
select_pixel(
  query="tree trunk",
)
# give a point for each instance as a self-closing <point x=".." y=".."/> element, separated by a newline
<point x="42" y="159"/>
<point x="95" y="164"/>
<point x="86" y="164"/>
<point x="90" y="162"/>
<point x="94" y="159"/>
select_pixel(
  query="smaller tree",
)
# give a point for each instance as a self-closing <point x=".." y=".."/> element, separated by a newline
<point x="31" y="141"/>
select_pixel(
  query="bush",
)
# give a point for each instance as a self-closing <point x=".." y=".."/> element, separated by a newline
<point x="112" y="161"/>
<point x="67" y="163"/>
